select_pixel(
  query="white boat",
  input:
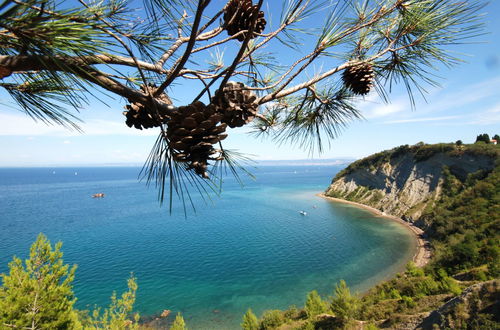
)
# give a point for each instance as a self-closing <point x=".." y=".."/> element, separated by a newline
<point x="303" y="212"/>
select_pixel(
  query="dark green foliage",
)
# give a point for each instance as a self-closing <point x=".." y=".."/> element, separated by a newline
<point x="464" y="225"/>
<point x="496" y="137"/>
<point x="459" y="142"/>
<point x="483" y="138"/>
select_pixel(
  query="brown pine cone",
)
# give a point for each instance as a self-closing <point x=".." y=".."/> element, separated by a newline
<point x="145" y="115"/>
<point x="192" y="131"/>
<point x="236" y="104"/>
<point x="359" y="78"/>
<point x="239" y="15"/>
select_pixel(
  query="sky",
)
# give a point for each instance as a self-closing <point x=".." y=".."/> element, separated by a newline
<point x="466" y="104"/>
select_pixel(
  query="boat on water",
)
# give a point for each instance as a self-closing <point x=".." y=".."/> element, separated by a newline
<point x="303" y="212"/>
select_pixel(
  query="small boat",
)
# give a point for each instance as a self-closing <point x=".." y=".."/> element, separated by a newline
<point x="303" y="212"/>
<point x="98" y="195"/>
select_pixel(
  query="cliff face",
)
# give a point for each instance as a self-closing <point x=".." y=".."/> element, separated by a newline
<point x="406" y="180"/>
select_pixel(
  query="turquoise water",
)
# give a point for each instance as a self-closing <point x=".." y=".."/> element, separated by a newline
<point x="249" y="248"/>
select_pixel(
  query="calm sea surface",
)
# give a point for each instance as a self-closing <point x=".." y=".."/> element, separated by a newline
<point x="248" y="248"/>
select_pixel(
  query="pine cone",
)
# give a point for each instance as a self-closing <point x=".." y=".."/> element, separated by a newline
<point x="145" y="115"/>
<point x="239" y="15"/>
<point x="4" y="72"/>
<point x="192" y="131"/>
<point x="236" y="104"/>
<point x="359" y="78"/>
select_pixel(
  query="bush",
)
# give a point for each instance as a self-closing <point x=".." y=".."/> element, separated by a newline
<point x="314" y="305"/>
<point x="408" y="302"/>
<point x="179" y="323"/>
<point x="344" y="305"/>
<point x="250" y="321"/>
<point x="413" y="270"/>
<point x="271" y="319"/>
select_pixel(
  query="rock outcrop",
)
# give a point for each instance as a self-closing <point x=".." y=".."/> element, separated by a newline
<point x="406" y="180"/>
<point x="479" y="298"/>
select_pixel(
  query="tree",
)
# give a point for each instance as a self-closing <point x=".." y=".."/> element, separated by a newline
<point x="343" y="305"/>
<point x="179" y="323"/>
<point x="39" y="294"/>
<point x="314" y="305"/>
<point x="117" y="315"/>
<point x="496" y="137"/>
<point x="250" y="321"/>
<point x="483" y="138"/>
<point x="459" y="143"/>
<point x="54" y="56"/>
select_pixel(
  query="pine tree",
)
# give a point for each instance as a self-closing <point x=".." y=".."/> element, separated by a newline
<point x="179" y="323"/>
<point x="118" y="315"/>
<point x="344" y="305"/>
<point x="54" y="56"/>
<point x="314" y="305"/>
<point x="250" y="321"/>
<point x="39" y="294"/>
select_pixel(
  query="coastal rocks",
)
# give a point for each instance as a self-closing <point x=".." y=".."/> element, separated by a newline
<point x="401" y="185"/>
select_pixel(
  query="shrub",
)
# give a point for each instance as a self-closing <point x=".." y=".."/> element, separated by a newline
<point x="271" y="319"/>
<point x="250" y="321"/>
<point x="314" y="305"/>
<point x="344" y="305"/>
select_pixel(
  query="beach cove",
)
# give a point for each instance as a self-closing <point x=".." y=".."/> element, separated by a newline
<point x="423" y="253"/>
<point x="251" y="248"/>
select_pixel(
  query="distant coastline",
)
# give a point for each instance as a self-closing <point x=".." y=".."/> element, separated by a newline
<point x="422" y="255"/>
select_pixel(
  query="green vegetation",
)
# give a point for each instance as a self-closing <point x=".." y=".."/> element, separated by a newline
<point x="179" y="323"/>
<point x="314" y="305"/>
<point x="250" y="321"/>
<point x="39" y="295"/>
<point x="344" y="305"/>
<point x="420" y="152"/>
<point x="463" y="228"/>
<point x="483" y="138"/>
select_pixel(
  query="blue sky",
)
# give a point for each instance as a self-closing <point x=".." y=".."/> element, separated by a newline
<point x="467" y="104"/>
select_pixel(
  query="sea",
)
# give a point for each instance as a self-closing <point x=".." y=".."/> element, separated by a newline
<point x="262" y="243"/>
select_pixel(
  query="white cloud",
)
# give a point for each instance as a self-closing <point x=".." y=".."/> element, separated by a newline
<point x="374" y="107"/>
<point x="21" y="125"/>
<point x="416" y="120"/>
<point x="489" y="117"/>
<point x="467" y="95"/>
<point x="67" y="142"/>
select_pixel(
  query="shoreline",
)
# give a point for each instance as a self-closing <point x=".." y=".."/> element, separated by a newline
<point x="422" y="254"/>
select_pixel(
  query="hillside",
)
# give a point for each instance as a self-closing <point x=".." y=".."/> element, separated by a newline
<point x="407" y="180"/>
<point x="453" y="193"/>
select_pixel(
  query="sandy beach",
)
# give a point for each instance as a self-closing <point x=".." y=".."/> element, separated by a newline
<point x="423" y="253"/>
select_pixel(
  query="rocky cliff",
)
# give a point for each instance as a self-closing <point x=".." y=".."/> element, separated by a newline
<point x="406" y="180"/>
